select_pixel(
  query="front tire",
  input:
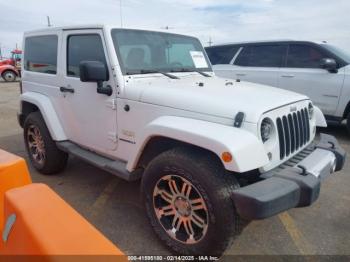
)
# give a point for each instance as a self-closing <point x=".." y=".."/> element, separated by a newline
<point x="9" y="76"/>
<point x="348" y="123"/>
<point x="188" y="200"/>
<point x="42" y="150"/>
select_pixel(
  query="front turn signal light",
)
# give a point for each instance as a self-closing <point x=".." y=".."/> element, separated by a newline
<point x="226" y="157"/>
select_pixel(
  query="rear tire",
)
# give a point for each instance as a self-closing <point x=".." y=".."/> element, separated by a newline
<point x="176" y="171"/>
<point x="9" y="76"/>
<point x="42" y="150"/>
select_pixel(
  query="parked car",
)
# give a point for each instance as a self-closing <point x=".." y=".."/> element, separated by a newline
<point x="319" y="70"/>
<point x="146" y="105"/>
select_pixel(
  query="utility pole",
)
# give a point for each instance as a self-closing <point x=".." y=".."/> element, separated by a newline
<point x="48" y="21"/>
<point x="121" y="13"/>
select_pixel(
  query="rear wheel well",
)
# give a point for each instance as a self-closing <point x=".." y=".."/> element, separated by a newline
<point x="157" y="145"/>
<point x="26" y="109"/>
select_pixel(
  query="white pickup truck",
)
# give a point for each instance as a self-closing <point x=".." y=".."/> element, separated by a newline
<point x="212" y="153"/>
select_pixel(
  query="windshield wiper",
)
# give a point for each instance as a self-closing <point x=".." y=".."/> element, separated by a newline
<point x="191" y="70"/>
<point x="144" y="71"/>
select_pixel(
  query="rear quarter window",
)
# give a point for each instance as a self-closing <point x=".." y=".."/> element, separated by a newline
<point x="40" y="54"/>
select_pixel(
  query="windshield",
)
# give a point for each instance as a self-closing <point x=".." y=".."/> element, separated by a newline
<point x="148" y="52"/>
<point x="338" y="52"/>
<point x="16" y="56"/>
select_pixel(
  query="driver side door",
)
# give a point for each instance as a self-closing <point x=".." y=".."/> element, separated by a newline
<point x="303" y="74"/>
<point x="90" y="119"/>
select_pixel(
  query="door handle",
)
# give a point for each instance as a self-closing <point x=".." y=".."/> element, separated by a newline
<point x="288" y="76"/>
<point x="241" y="74"/>
<point x="66" y="90"/>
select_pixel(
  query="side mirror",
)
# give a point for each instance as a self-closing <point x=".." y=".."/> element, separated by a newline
<point x="95" y="71"/>
<point x="329" y="64"/>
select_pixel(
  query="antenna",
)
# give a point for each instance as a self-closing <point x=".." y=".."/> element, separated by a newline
<point x="167" y="27"/>
<point x="48" y="21"/>
<point x="210" y="42"/>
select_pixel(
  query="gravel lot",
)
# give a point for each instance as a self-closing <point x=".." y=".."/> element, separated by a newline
<point x="114" y="205"/>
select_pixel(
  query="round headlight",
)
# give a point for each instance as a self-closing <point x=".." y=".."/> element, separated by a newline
<point x="311" y="111"/>
<point x="266" y="129"/>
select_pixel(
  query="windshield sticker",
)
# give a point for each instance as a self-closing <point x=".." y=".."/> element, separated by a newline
<point x="199" y="59"/>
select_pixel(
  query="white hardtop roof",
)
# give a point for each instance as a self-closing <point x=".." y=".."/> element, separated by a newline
<point x="71" y="27"/>
<point x="90" y="26"/>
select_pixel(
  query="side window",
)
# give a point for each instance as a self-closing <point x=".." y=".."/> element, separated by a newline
<point x="83" y="48"/>
<point x="262" y="56"/>
<point x="243" y="58"/>
<point x="221" y="54"/>
<point x="41" y="54"/>
<point x="304" y="56"/>
<point x="17" y="57"/>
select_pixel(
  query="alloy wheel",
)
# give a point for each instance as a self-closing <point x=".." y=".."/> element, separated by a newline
<point x="180" y="209"/>
<point x="36" y="145"/>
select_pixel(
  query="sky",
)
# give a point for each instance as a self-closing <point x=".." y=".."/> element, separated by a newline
<point x="221" y="21"/>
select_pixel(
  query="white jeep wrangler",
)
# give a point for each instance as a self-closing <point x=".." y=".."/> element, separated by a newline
<point x="212" y="153"/>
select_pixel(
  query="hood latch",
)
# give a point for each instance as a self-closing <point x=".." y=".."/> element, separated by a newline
<point x="239" y="119"/>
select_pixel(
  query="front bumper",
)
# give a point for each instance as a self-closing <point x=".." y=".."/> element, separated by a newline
<point x="295" y="183"/>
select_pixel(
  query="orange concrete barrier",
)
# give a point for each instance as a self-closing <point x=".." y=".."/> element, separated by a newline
<point x="34" y="220"/>
<point x="13" y="173"/>
<point x="44" y="224"/>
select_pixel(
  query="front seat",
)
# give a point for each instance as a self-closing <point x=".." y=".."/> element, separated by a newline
<point x="136" y="59"/>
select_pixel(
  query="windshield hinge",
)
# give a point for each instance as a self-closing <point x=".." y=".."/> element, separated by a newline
<point x="112" y="104"/>
<point x="112" y="136"/>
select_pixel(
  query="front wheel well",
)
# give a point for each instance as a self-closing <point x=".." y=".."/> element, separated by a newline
<point x="157" y="145"/>
<point x="9" y="70"/>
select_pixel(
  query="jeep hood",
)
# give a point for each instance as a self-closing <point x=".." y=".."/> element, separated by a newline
<point x="212" y="96"/>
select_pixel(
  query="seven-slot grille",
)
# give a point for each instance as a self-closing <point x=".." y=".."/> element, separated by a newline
<point x="293" y="132"/>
